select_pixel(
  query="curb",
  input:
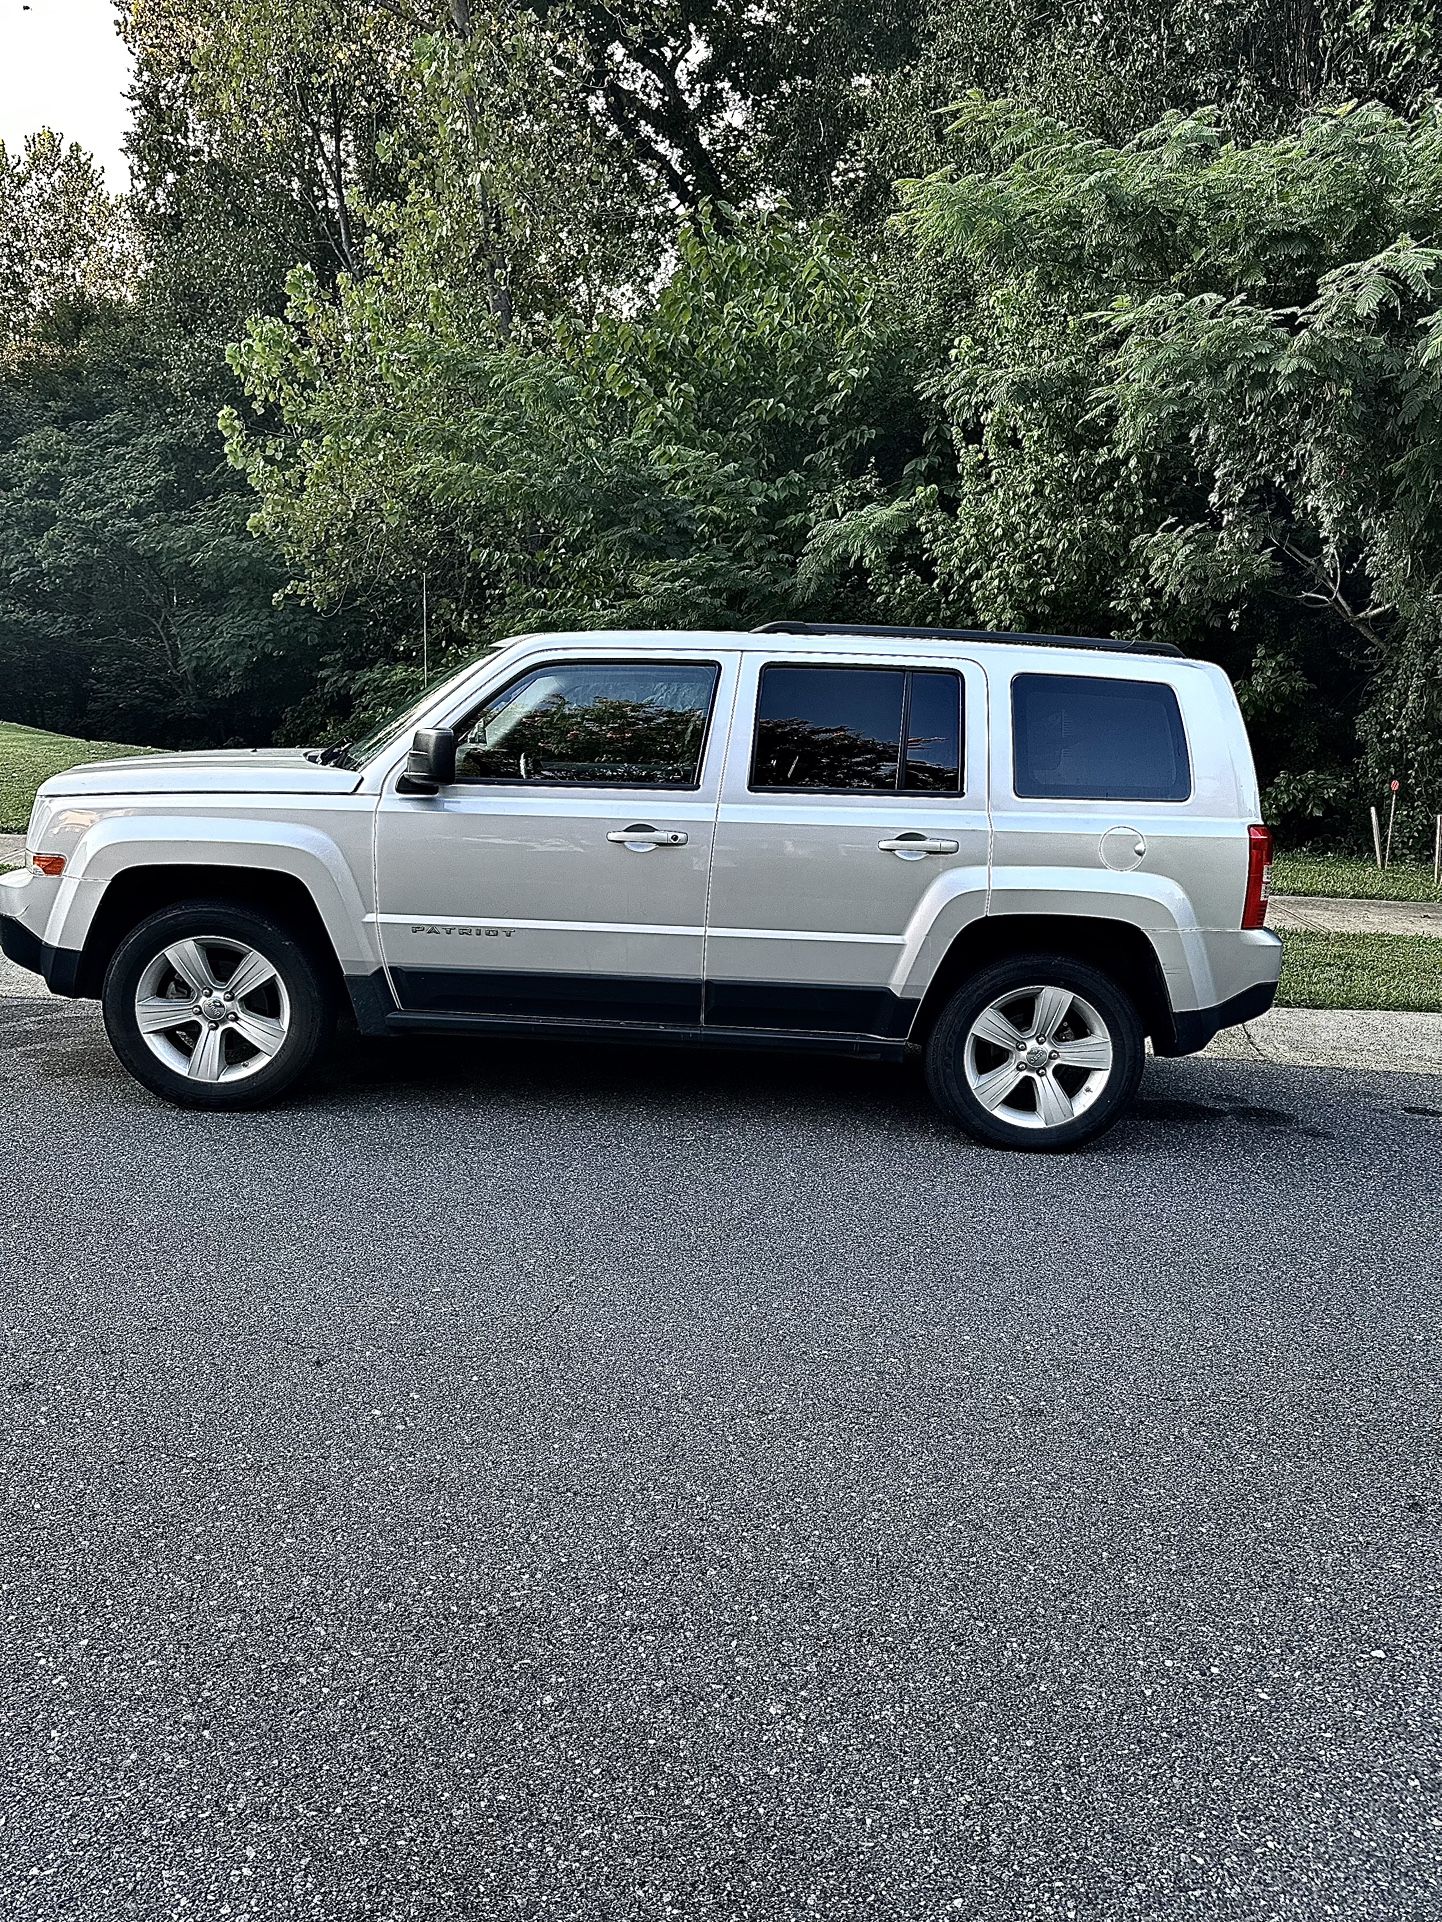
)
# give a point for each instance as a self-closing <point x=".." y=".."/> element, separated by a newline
<point x="1381" y="1041"/>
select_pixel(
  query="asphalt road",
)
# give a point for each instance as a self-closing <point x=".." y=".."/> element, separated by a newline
<point x="605" y="1485"/>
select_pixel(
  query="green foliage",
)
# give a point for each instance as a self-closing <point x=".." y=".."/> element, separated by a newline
<point x="661" y="469"/>
<point x="725" y="103"/>
<point x="552" y="313"/>
<point x="1352" y="880"/>
<point x="1110" y="72"/>
<point x="1194" y="394"/>
<point x="64" y="241"/>
<point x="274" y="112"/>
<point x="133" y="599"/>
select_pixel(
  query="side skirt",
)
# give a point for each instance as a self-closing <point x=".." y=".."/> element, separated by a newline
<point x="871" y="1023"/>
<point x="646" y="1034"/>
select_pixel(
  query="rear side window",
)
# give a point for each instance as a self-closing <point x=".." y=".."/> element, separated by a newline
<point x="858" y="730"/>
<point x="1076" y="737"/>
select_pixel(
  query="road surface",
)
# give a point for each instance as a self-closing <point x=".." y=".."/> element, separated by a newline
<point x="598" y="1484"/>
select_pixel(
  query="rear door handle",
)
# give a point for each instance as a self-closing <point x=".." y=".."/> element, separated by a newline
<point x="642" y="836"/>
<point x="913" y="844"/>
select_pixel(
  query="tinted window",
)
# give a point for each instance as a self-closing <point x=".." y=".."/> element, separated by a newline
<point x="839" y="729"/>
<point x="933" y="732"/>
<point x="1080" y="738"/>
<point x="593" y="724"/>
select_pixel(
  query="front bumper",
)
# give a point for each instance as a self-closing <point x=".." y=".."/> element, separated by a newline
<point x="58" y="968"/>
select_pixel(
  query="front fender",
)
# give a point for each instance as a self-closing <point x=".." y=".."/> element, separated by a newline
<point x="112" y="848"/>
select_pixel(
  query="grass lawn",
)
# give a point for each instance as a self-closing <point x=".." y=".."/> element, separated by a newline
<point x="1361" y="971"/>
<point x="1351" y="880"/>
<point x="28" y="756"/>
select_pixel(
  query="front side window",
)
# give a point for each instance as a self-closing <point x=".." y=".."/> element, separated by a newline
<point x="858" y="730"/>
<point x="593" y="724"/>
<point x="1077" y="737"/>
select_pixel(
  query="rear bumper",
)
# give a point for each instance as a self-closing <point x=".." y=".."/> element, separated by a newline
<point x="58" y="968"/>
<point x="1193" y="1028"/>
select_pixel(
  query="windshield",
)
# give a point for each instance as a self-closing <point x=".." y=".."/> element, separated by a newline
<point x="396" y="725"/>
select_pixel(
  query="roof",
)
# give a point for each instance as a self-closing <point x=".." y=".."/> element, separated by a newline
<point x="884" y="639"/>
<point x="984" y="637"/>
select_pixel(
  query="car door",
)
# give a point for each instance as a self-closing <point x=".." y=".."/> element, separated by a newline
<point x="852" y="836"/>
<point x="563" y="875"/>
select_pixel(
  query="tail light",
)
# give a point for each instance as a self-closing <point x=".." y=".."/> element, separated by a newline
<point x="1259" y="877"/>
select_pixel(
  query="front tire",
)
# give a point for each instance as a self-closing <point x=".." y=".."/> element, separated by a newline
<point x="1038" y="1052"/>
<point x="210" y="1005"/>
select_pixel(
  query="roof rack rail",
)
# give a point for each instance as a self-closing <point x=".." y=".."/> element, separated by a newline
<point x="969" y="634"/>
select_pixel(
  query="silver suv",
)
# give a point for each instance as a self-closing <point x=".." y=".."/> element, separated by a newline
<point x="1022" y="855"/>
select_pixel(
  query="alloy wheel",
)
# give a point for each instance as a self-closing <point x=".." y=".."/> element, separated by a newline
<point x="212" y="1008"/>
<point x="1038" y="1056"/>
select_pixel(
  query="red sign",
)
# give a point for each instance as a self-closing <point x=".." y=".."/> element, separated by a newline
<point x="1395" y="786"/>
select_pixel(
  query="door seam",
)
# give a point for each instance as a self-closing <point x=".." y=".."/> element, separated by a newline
<point x="737" y="661"/>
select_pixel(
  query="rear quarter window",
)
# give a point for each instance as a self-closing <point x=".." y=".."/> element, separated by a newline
<point x="1077" y="737"/>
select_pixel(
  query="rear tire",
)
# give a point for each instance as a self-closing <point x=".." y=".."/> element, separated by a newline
<point x="1037" y="1052"/>
<point x="210" y="1005"/>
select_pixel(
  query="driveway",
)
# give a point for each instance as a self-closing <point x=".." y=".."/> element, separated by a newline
<point x="594" y="1484"/>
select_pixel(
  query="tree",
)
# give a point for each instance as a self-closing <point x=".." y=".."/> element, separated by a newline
<point x="660" y="469"/>
<point x="1112" y="71"/>
<point x="134" y="602"/>
<point x="732" y="103"/>
<point x="64" y="243"/>
<point x="1193" y="392"/>
<point x="289" y="107"/>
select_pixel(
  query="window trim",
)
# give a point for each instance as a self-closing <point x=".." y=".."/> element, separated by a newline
<point x="906" y="669"/>
<point x="498" y="784"/>
<point x="1101" y="800"/>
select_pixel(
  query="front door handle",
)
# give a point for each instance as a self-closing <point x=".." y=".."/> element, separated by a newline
<point x="913" y="844"/>
<point x="641" y="836"/>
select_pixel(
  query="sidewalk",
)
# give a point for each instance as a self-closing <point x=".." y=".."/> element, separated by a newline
<point x="12" y="850"/>
<point x="1326" y="914"/>
<point x="1379" y="1040"/>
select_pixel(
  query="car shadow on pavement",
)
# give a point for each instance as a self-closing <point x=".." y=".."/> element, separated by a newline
<point x="1180" y="1102"/>
<point x="614" y="1072"/>
<point x="1171" y="1106"/>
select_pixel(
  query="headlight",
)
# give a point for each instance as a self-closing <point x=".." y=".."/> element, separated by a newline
<point x="40" y="817"/>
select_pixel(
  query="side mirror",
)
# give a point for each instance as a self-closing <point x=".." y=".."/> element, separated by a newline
<point x="431" y="763"/>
